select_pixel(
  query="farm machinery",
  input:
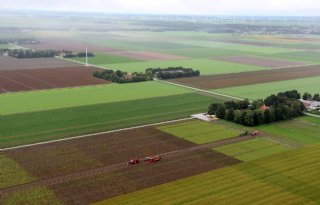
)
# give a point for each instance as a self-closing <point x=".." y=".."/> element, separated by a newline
<point x="152" y="159"/>
<point x="133" y="161"/>
<point x="245" y="133"/>
<point x="254" y="133"/>
<point x="148" y="160"/>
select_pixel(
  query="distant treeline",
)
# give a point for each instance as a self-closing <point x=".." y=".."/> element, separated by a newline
<point x="240" y="28"/>
<point x="160" y="73"/>
<point x="19" y="41"/>
<point x="122" y="77"/>
<point x="283" y="106"/>
<point x="27" y="53"/>
<point x="71" y="54"/>
<point x="172" y="72"/>
<point x="23" y="53"/>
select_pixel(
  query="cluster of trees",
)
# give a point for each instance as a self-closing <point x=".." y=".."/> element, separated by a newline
<point x="172" y="72"/>
<point x="22" y="53"/>
<point x="19" y="41"/>
<point x="283" y="106"/>
<point x="70" y="54"/>
<point x="122" y="77"/>
<point x="308" y="96"/>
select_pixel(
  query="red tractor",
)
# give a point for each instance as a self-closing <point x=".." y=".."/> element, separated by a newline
<point x="254" y="133"/>
<point x="152" y="159"/>
<point x="133" y="161"/>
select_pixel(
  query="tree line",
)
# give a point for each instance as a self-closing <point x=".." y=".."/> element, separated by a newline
<point x="172" y="72"/>
<point x="71" y="54"/>
<point x="19" y="41"/>
<point x="283" y="106"/>
<point x="24" y="53"/>
<point x="122" y="77"/>
<point x="308" y="96"/>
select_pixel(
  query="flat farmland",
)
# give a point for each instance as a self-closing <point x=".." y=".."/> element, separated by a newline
<point x="31" y="127"/>
<point x="304" y="130"/>
<point x="88" y="162"/>
<point x="105" y="58"/>
<point x="253" y="149"/>
<point x="261" y="61"/>
<point x="206" y="66"/>
<point x="148" y="55"/>
<point x="67" y="44"/>
<point x="51" y="78"/>
<point x="80" y="96"/>
<point x="306" y="56"/>
<point x="208" y="52"/>
<point x="200" y="132"/>
<point x="8" y="63"/>
<point x="248" y="78"/>
<point x="287" y="178"/>
<point x="260" y="91"/>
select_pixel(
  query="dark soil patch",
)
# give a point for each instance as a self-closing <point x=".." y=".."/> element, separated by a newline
<point x="86" y="170"/>
<point x="8" y="63"/>
<point x="248" y="78"/>
<point x="50" y="78"/>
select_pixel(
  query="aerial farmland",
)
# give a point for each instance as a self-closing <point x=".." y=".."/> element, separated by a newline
<point x="110" y="108"/>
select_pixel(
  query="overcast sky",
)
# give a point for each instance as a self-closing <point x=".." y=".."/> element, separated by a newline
<point x="202" y="7"/>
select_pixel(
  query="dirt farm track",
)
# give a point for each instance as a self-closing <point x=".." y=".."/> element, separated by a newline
<point x="247" y="78"/>
<point x="49" y="78"/>
<point x="98" y="167"/>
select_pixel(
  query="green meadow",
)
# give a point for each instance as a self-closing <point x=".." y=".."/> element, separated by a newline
<point x="206" y="66"/>
<point x="72" y="97"/>
<point x="260" y="91"/>
<point x="31" y="127"/>
<point x="286" y="178"/>
<point x="200" y="132"/>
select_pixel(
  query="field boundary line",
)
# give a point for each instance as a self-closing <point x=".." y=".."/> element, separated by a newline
<point x="81" y="63"/>
<point x="312" y="115"/>
<point x="201" y="90"/>
<point x="98" y="133"/>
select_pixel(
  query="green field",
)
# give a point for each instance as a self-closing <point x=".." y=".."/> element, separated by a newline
<point x="206" y="66"/>
<point x="34" y="196"/>
<point x="307" y="56"/>
<point x="18" y="129"/>
<point x="200" y="132"/>
<point x="252" y="149"/>
<point x="208" y="52"/>
<point x="286" y="178"/>
<point x="104" y="58"/>
<point x="12" y="173"/>
<point x="4" y="46"/>
<point x="296" y="130"/>
<point x="260" y="91"/>
<point x="71" y="97"/>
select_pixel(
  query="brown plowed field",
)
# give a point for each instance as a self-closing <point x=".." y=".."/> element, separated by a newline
<point x="148" y="55"/>
<point x="260" y="61"/>
<point x="87" y="170"/>
<point x="39" y="79"/>
<point x="67" y="44"/>
<point x="248" y="78"/>
<point x="8" y="63"/>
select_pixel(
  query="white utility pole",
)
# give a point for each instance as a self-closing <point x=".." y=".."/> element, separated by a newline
<point x="87" y="55"/>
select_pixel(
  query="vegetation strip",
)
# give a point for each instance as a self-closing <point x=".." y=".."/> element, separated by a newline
<point x="95" y="134"/>
<point x="201" y="90"/>
<point x="119" y="166"/>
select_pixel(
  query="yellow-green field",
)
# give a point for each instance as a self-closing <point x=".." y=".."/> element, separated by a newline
<point x="287" y="178"/>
